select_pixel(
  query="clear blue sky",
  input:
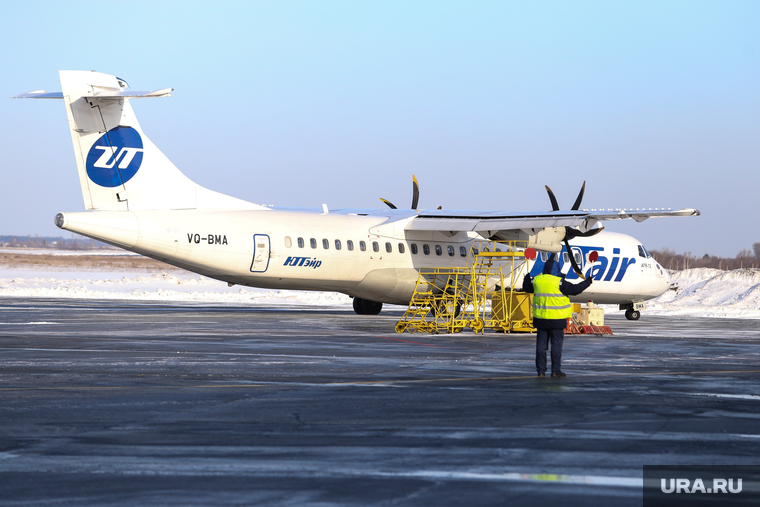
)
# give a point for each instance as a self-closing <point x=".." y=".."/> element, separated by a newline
<point x="655" y="104"/>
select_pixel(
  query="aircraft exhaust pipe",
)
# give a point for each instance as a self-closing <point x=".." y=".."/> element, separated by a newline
<point x="119" y="228"/>
<point x="60" y="221"/>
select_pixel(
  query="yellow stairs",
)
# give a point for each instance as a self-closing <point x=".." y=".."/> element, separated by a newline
<point x="480" y="296"/>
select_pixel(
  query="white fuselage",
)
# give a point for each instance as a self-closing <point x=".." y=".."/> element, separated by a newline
<point x="349" y="253"/>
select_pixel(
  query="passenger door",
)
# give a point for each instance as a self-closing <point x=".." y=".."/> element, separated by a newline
<point x="260" y="253"/>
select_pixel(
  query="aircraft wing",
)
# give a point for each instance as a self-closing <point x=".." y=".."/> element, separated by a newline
<point x="494" y="221"/>
<point x="640" y="214"/>
<point x="450" y="221"/>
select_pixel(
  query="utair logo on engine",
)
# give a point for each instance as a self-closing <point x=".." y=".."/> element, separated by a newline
<point x="115" y="158"/>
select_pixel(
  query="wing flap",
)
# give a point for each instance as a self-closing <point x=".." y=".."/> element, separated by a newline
<point x="492" y="224"/>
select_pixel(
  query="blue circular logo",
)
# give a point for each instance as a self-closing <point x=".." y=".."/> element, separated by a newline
<point x="115" y="158"/>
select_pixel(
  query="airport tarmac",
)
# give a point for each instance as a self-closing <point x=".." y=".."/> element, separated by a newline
<point x="123" y="403"/>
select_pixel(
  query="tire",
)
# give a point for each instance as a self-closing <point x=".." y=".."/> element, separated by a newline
<point x="632" y="314"/>
<point x="373" y="308"/>
<point x="364" y="307"/>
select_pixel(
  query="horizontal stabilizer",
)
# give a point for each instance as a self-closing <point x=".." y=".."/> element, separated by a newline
<point x="105" y="94"/>
<point x="40" y="94"/>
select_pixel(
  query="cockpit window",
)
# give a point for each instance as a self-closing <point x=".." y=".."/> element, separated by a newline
<point x="643" y="252"/>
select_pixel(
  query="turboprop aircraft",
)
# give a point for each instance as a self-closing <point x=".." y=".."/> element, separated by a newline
<point x="141" y="202"/>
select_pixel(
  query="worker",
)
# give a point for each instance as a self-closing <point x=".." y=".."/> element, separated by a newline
<point x="551" y="309"/>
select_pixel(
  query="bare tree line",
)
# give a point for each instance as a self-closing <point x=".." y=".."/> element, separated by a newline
<point x="746" y="258"/>
<point x="76" y="242"/>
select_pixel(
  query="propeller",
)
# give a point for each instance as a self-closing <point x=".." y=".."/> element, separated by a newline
<point x="570" y="232"/>
<point x="415" y="195"/>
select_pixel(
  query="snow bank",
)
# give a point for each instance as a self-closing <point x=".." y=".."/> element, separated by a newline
<point x="706" y="292"/>
<point x="701" y="292"/>
<point x="160" y="287"/>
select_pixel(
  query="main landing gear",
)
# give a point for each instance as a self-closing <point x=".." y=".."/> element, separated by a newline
<point x="364" y="307"/>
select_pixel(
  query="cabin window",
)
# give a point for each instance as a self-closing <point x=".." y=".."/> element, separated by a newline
<point x="450" y="249"/>
<point x="578" y="257"/>
<point x="544" y="256"/>
<point x="388" y="247"/>
<point x="362" y="246"/>
<point x="350" y="244"/>
<point x="414" y="248"/>
<point x="565" y="257"/>
<point x="400" y="248"/>
<point x="426" y="249"/>
<point x="438" y="250"/>
<point x="313" y="243"/>
<point x="325" y="244"/>
<point x="288" y="242"/>
<point x="375" y="246"/>
<point x="475" y="251"/>
<point x="337" y="244"/>
<point x="462" y="251"/>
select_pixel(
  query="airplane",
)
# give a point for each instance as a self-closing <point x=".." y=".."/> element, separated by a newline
<point x="141" y="202"/>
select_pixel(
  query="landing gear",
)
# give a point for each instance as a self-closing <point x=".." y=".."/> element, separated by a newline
<point x="633" y="310"/>
<point x="364" y="307"/>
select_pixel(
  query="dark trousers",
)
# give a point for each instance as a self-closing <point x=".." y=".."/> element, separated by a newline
<point x="557" y="336"/>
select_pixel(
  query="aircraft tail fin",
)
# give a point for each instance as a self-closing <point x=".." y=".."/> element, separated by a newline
<point x="119" y="167"/>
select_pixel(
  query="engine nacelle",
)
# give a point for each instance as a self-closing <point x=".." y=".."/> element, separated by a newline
<point x="547" y="240"/>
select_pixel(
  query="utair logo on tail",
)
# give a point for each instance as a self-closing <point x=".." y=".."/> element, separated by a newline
<point x="116" y="157"/>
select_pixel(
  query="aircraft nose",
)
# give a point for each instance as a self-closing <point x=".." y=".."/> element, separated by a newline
<point x="666" y="281"/>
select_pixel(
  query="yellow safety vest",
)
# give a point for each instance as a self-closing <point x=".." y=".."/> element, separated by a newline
<point x="548" y="301"/>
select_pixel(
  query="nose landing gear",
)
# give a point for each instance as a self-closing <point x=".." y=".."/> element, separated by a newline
<point x="633" y="310"/>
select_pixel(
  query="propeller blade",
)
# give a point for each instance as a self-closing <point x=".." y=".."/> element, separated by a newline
<point x="577" y="203"/>
<point x="571" y="233"/>
<point x="592" y="232"/>
<point x="415" y="192"/>
<point x="574" y="264"/>
<point x="555" y="206"/>
<point x="389" y="203"/>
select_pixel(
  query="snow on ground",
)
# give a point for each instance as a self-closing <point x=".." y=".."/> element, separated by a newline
<point x="169" y="287"/>
<point x="705" y="292"/>
<point x="108" y="252"/>
<point x="701" y="292"/>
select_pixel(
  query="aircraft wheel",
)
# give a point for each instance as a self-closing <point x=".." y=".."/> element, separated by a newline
<point x="632" y="314"/>
<point x="364" y="307"/>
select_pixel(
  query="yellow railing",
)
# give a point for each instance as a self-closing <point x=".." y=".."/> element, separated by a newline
<point x="484" y="295"/>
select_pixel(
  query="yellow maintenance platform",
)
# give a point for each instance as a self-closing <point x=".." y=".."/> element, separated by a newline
<point x="484" y="295"/>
